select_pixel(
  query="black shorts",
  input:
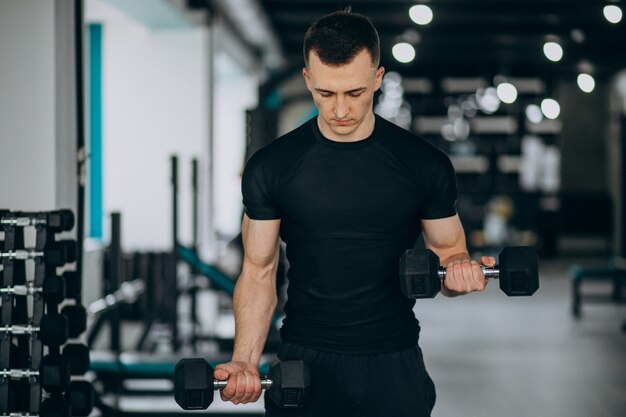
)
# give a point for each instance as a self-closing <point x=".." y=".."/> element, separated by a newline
<point x="390" y="384"/>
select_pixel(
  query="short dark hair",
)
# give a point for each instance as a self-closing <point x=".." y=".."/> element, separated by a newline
<point x="338" y="37"/>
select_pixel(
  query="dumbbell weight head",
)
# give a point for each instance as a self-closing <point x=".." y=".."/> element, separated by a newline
<point x="77" y="318"/>
<point x="519" y="271"/>
<point x="54" y="329"/>
<point x="53" y="289"/>
<point x="193" y="381"/>
<point x="54" y="373"/>
<point x="81" y="398"/>
<point x="419" y="274"/>
<point x="73" y="284"/>
<point x="290" y="384"/>
<point x="60" y="220"/>
<point x="77" y="357"/>
<point x="61" y="252"/>
<point x="55" y="406"/>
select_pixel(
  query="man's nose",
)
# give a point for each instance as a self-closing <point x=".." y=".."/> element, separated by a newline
<point x="341" y="107"/>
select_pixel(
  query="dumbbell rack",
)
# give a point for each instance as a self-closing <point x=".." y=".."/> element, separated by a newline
<point x="25" y="351"/>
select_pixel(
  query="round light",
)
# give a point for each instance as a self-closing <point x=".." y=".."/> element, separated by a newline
<point x="553" y="51"/>
<point x="403" y="52"/>
<point x="550" y="108"/>
<point x="421" y="14"/>
<point x="507" y="93"/>
<point x="533" y="113"/>
<point x="488" y="100"/>
<point x="612" y="13"/>
<point x="586" y="82"/>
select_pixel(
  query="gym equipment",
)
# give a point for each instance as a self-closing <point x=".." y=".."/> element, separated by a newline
<point x="78" y="401"/>
<point x="53" y="330"/>
<point x="288" y="384"/>
<point x="52" y="290"/>
<point x="518" y="272"/>
<point x="78" y="358"/>
<point x="128" y="293"/>
<point x="56" y="254"/>
<point x="77" y="319"/>
<point x="54" y="373"/>
<point x="55" y="221"/>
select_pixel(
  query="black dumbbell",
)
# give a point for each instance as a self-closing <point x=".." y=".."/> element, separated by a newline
<point x="77" y="356"/>
<point x="53" y="329"/>
<point x="53" y="374"/>
<point x="77" y="318"/>
<point x="52" y="290"/>
<point x="56" y="221"/>
<point x="56" y="254"/>
<point x="287" y="384"/>
<point x="518" y="272"/>
<point x="73" y="284"/>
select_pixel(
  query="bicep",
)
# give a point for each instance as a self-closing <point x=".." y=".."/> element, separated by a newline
<point x="445" y="236"/>
<point x="260" y="242"/>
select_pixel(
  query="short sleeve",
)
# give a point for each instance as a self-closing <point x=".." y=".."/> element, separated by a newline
<point x="257" y="189"/>
<point x="441" y="202"/>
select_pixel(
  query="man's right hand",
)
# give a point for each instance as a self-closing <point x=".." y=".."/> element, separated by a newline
<point x="244" y="381"/>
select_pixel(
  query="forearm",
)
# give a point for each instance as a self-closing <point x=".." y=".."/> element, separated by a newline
<point x="254" y="305"/>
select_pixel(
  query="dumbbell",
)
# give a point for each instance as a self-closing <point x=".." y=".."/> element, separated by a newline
<point x="53" y="373"/>
<point x="56" y="254"/>
<point x="518" y="272"/>
<point x="56" y="221"/>
<point x="52" y="290"/>
<point x="53" y="330"/>
<point x="78" y="401"/>
<point x="287" y="384"/>
<point x="77" y="318"/>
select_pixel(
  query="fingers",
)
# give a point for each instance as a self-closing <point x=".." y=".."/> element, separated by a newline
<point x="244" y="386"/>
<point x="464" y="276"/>
<point x="488" y="261"/>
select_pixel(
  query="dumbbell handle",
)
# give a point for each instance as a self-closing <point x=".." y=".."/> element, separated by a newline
<point x="22" y="254"/>
<point x="23" y="221"/>
<point x="490" y="272"/>
<point x="28" y="289"/>
<point x="19" y="329"/>
<point x="266" y="383"/>
<point x="19" y="373"/>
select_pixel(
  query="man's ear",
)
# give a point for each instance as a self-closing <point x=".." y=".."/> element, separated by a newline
<point x="379" y="76"/>
<point x="307" y="78"/>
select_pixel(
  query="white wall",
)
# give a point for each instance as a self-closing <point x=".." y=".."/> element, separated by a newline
<point x="235" y="92"/>
<point x="155" y="103"/>
<point x="27" y="105"/>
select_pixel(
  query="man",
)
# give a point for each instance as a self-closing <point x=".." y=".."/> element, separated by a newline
<point x="348" y="192"/>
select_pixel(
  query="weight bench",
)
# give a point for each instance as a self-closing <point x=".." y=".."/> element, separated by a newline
<point x="614" y="272"/>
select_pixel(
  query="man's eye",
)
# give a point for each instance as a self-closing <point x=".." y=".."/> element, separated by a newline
<point x="325" y="94"/>
<point x="355" y="94"/>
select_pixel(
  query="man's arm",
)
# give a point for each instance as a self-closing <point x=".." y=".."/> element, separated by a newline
<point x="254" y="305"/>
<point x="446" y="238"/>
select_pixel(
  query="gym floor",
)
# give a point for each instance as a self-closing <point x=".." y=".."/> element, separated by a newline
<point x="495" y="356"/>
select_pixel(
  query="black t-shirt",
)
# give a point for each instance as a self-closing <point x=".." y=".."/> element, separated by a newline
<point x="348" y="211"/>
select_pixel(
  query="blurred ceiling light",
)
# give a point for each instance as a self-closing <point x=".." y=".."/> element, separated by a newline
<point x="421" y="14"/>
<point x="577" y="35"/>
<point x="550" y="108"/>
<point x="403" y="52"/>
<point x="507" y="93"/>
<point x="488" y="100"/>
<point x="553" y="51"/>
<point x="586" y="82"/>
<point x="612" y="13"/>
<point x="533" y="113"/>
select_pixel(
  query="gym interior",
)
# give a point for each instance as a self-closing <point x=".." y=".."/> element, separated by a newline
<point x="124" y="130"/>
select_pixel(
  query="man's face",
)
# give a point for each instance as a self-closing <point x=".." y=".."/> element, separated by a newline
<point x="344" y="95"/>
